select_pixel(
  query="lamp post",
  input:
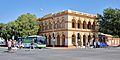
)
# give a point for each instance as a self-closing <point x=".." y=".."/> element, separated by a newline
<point x="53" y="34"/>
<point x="97" y="38"/>
<point x="53" y="40"/>
<point x="13" y="36"/>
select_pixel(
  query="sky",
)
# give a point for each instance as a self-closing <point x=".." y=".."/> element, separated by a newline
<point x="11" y="9"/>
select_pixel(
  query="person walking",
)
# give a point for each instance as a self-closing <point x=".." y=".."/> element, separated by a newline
<point x="95" y="44"/>
<point x="14" y="48"/>
<point x="32" y="45"/>
<point x="20" y="44"/>
<point x="9" y="44"/>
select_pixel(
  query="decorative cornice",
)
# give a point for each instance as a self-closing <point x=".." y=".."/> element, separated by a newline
<point x="67" y="12"/>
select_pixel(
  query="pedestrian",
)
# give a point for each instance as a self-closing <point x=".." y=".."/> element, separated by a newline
<point x="14" y="48"/>
<point x="20" y="44"/>
<point x="32" y="44"/>
<point x="88" y="44"/>
<point x="9" y="44"/>
<point x="95" y="44"/>
<point x="98" y="44"/>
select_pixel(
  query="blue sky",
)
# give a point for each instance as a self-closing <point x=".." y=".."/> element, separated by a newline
<point x="11" y="9"/>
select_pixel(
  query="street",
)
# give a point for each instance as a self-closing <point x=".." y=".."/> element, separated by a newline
<point x="62" y="54"/>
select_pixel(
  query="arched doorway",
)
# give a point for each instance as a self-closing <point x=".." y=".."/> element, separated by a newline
<point x="73" y="39"/>
<point x="84" y="40"/>
<point x="63" y="40"/>
<point x="58" y="40"/>
<point x="49" y="40"/>
<point x="89" y="38"/>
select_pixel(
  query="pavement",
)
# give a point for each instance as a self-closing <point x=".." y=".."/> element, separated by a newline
<point x="67" y="48"/>
<point x="62" y="53"/>
<point x="60" y="47"/>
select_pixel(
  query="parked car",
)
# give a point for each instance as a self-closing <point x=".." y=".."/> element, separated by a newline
<point x="102" y="45"/>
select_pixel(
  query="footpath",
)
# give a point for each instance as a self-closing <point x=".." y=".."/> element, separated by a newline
<point x="49" y="48"/>
<point x="3" y="47"/>
<point x="60" y="47"/>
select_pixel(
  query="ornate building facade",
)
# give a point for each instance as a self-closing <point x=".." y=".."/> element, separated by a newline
<point x="68" y="28"/>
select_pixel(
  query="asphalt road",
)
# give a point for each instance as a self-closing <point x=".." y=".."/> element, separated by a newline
<point x="62" y="54"/>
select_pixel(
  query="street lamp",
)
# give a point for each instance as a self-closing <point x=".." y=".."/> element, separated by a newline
<point x="13" y="36"/>
<point x="53" y="39"/>
<point x="53" y="34"/>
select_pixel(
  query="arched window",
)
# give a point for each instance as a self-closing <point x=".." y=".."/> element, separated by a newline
<point x="93" y="26"/>
<point x="73" y="23"/>
<point x="58" y="24"/>
<point x="50" y="25"/>
<point x="45" y="25"/>
<point x="79" y="24"/>
<point x="84" y="25"/>
<point x="63" y="24"/>
<point x="54" y="24"/>
<point x="41" y="27"/>
<point x="89" y="25"/>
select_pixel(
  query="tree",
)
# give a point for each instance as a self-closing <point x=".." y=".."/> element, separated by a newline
<point x="26" y="24"/>
<point x="1" y="27"/>
<point x="109" y="22"/>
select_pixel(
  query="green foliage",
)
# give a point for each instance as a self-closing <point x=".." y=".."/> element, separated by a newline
<point x="115" y="36"/>
<point x="109" y="22"/>
<point x="25" y="25"/>
<point x="5" y="32"/>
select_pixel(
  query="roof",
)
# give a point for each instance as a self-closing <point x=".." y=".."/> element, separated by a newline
<point x="68" y="12"/>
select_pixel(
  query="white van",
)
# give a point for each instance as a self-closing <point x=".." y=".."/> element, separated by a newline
<point x="2" y="41"/>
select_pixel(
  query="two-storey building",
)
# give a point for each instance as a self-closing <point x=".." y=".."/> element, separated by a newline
<point x="70" y="28"/>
